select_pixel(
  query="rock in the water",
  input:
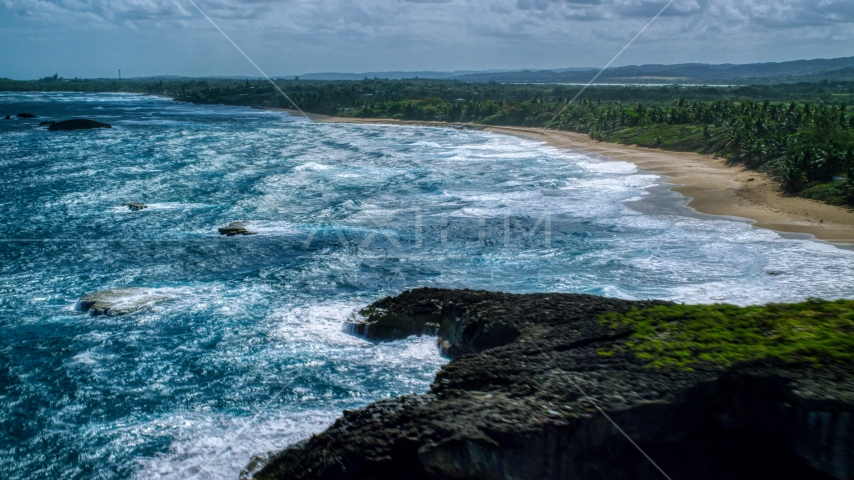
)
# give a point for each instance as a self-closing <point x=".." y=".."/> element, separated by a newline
<point x="119" y="301"/>
<point x="135" y="206"/>
<point x="521" y="399"/>
<point x="8" y="117"/>
<point x="46" y="122"/>
<point x="235" y="228"/>
<point x="397" y="318"/>
<point x="77" y="124"/>
<point x="26" y="115"/>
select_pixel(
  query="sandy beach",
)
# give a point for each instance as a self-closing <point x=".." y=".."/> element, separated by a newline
<point x="714" y="187"/>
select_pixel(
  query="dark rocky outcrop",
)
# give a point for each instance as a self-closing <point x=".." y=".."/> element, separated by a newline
<point x="235" y="228"/>
<point x="513" y="404"/>
<point x="46" y="122"/>
<point x="26" y="115"/>
<point x="486" y="325"/>
<point x="77" y="124"/>
<point x="135" y="206"/>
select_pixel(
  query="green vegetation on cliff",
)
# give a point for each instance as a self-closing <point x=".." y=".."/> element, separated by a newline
<point x="815" y="332"/>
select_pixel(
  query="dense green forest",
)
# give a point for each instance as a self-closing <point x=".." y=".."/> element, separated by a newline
<point x="801" y="133"/>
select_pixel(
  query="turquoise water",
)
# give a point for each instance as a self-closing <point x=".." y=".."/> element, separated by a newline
<point x="247" y="353"/>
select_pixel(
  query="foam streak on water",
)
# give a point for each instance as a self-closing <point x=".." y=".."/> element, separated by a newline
<point x="247" y="352"/>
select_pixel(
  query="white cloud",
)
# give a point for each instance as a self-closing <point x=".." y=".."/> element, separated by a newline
<point x="364" y="35"/>
<point x="378" y="16"/>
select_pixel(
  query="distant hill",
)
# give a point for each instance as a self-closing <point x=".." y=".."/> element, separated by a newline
<point x="800" y="70"/>
<point x="837" y="69"/>
<point x="400" y="75"/>
<point x="388" y="75"/>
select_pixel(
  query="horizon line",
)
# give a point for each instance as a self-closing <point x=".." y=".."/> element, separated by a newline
<point x="450" y="73"/>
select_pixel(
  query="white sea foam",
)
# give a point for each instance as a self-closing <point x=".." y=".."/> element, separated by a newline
<point x="253" y="317"/>
<point x="322" y="323"/>
<point x="312" y="167"/>
<point x="217" y="447"/>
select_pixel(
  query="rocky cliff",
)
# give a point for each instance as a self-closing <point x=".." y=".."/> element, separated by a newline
<point x="519" y="401"/>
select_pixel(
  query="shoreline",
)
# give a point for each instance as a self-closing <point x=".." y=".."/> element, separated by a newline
<point x="711" y="186"/>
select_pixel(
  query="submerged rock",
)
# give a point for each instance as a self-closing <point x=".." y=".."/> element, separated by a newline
<point x="119" y="301"/>
<point x="235" y="228"/>
<point x="26" y="115"/>
<point x="77" y="124"/>
<point x="520" y="400"/>
<point x="135" y="206"/>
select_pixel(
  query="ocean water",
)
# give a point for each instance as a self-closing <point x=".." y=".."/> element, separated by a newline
<point x="246" y="353"/>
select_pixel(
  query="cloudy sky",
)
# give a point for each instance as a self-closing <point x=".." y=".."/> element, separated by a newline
<point x="94" y="38"/>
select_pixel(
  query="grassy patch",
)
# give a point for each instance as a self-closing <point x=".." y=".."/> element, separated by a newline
<point x="815" y="332"/>
<point x="832" y="193"/>
<point x="682" y="138"/>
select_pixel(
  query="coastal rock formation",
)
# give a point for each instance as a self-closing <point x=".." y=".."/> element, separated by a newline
<point x="26" y="115"/>
<point x="400" y="317"/>
<point x="135" y="206"/>
<point x="524" y="395"/>
<point x="77" y="124"/>
<point x="119" y="301"/>
<point x="235" y="228"/>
